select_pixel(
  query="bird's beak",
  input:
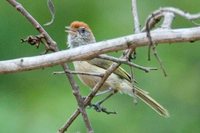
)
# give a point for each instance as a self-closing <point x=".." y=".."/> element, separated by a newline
<point x="69" y="30"/>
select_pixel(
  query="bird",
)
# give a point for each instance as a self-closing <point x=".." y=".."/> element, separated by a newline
<point x="80" y="34"/>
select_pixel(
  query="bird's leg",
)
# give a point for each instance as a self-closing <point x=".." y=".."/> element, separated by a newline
<point x="97" y="106"/>
<point x="134" y="96"/>
<point x="133" y="86"/>
<point x="103" y="100"/>
<point x="104" y="92"/>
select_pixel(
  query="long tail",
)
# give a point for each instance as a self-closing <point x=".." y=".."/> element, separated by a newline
<point x="151" y="102"/>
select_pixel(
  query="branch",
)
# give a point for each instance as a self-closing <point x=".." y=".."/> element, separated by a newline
<point x="179" y="12"/>
<point x="135" y="16"/>
<point x="54" y="47"/>
<point x="124" y="61"/>
<point x="156" y="16"/>
<point x="136" y="27"/>
<point x="90" y="51"/>
<point x="88" y="99"/>
<point x="73" y="117"/>
<point x="168" y="14"/>
<point x="167" y="22"/>
<point x="79" y="99"/>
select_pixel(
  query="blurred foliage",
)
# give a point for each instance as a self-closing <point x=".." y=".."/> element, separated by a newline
<point x="39" y="102"/>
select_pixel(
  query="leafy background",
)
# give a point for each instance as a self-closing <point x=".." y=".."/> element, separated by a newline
<point x="39" y="102"/>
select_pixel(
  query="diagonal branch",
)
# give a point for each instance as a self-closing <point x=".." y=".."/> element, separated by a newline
<point x="54" y="47"/>
<point x="124" y="61"/>
<point x="88" y="99"/>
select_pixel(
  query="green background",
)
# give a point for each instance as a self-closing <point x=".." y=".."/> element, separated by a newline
<point x="39" y="102"/>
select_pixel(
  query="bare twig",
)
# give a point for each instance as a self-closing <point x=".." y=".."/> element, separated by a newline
<point x="152" y="44"/>
<point x="167" y="22"/>
<point x="168" y="14"/>
<point x="53" y="45"/>
<point x="76" y="92"/>
<point x="181" y="13"/>
<point x="135" y="16"/>
<point x="156" y="16"/>
<point x="124" y="61"/>
<point x="152" y="20"/>
<point x="52" y="11"/>
<point x="69" y="121"/>
<point x="38" y="27"/>
<point x="158" y="59"/>
<point x="132" y="51"/>
<point x="79" y="73"/>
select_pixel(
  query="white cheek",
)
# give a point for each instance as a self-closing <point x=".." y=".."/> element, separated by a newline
<point x="74" y="40"/>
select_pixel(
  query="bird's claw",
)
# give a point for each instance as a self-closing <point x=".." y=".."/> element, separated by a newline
<point x="97" y="106"/>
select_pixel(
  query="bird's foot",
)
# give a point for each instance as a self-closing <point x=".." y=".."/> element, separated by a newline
<point x="97" y="106"/>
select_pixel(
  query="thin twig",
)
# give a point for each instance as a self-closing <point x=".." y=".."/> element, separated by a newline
<point x="69" y="121"/>
<point x="52" y="12"/>
<point x="79" y="98"/>
<point x="152" y="44"/>
<point x="167" y="20"/>
<point x="133" y="50"/>
<point x="156" y="16"/>
<point x="136" y="28"/>
<point x="152" y="20"/>
<point x="168" y="14"/>
<point x="133" y="85"/>
<point x="79" y="73"/>
<point x="181" y="13"/>
<point x="135" y="16"/>
<point x="124" y="61"/>
<point x="53" y="44"/>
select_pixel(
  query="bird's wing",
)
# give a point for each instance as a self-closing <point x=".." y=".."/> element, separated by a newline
<point x="105" y="64"/>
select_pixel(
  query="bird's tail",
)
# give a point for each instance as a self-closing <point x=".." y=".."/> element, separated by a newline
<point x="143" y="95"/>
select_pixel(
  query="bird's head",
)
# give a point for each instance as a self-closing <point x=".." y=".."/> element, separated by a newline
<point x="79" y="33"/>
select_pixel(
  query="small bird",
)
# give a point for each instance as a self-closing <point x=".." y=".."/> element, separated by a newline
<point x="79" y="34"/>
